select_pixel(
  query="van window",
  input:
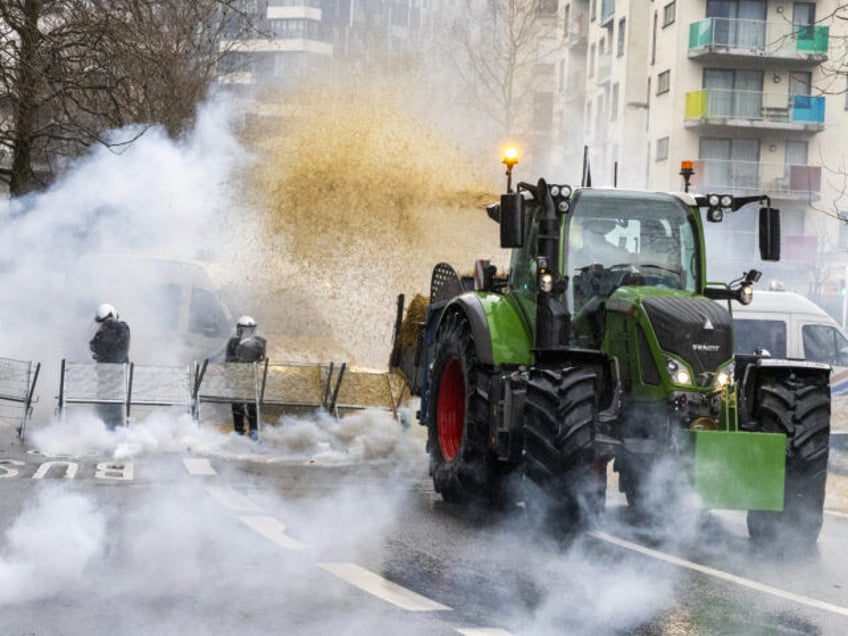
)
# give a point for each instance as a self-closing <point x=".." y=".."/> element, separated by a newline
<point x="823" y="343"/>
<point x="205" y="314"/>
<point x="752" y="335"/>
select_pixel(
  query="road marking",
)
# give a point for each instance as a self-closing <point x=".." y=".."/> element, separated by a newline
<point x="483" y="631"/>
<point x="198" y="466"/>
<point x="719" y="574"/>
<point x="836" y="513"/>
<point x="382" y="588"/>
<point x="272" y="529"/>
<point x="233" y="499"/>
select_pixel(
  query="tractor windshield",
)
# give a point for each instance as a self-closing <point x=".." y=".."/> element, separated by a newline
<point x="620" y="238"/>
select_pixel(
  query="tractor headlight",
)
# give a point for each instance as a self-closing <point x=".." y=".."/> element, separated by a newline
<point x="678" y="373"/>
<point x="726" y="201"/>
<point x="713" y="200"/>
<point x="724" y="377"/>
<point x="546" y="282"/>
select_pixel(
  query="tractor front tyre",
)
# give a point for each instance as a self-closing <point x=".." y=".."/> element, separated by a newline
<point x="802" y="412"/>
<point x="559" y="455"/>
<point x="463" y="470"/>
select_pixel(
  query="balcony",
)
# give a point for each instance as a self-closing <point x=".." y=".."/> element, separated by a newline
<point x="754" y="109"/>
<point x="778" y="180"/>
<point x="726" y="38"/>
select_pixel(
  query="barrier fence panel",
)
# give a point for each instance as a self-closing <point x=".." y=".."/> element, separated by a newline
<point x="297" y="385"/>
<point x="123" y="386"/>
<point x="360" y="389"/>
<point x="17" y="387"/>
<point x="161" y="386"/>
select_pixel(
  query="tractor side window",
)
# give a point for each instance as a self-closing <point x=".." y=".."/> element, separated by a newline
<point x="523" y="264"/>
<point x="760" y="336"/>
<point x="823" y="343"/>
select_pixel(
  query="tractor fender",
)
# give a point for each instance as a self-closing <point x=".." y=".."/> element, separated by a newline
<point x="500" y="335"/>
<point x="754" y="369"/>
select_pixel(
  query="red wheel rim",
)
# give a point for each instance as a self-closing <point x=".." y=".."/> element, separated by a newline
<point x="450" y="410"/>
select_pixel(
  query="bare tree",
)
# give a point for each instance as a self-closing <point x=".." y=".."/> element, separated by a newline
<point x="507" y="57"/>
<point x="72" y="70"/>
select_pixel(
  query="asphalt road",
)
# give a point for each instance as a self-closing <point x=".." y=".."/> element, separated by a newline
<point x="334" y="528"/>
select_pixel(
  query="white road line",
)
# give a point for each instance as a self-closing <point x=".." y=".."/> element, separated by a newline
<point x="272" y="529"/>
<point x="719" y="574"/>
<point x="836" y="513"/>
<point x="198" y="466"/>
<point x="482" y="631"/>
<point x="382" y="588"/>
<point x="233" y="499"/>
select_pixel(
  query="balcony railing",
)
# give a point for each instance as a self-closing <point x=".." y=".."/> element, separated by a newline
<point x="720" y="105"/>
<point x="754" y="177"/>
<point x="757" y="37"/>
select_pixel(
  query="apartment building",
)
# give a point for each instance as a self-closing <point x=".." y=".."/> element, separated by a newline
<point x="294" y="37"/>
<point x="747" y="90"/>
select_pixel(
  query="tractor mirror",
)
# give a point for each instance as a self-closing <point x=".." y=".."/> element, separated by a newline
<point x="512" y="220"/>
<point x="769" y="234"/>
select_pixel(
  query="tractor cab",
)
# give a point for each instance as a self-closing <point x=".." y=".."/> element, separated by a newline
<point x="616" y="238"/>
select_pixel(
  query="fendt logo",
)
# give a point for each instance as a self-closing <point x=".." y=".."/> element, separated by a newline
<point x="706" y="348"/>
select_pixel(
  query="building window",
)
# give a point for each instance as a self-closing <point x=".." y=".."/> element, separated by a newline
<point x="654" y="40"/>
<point x="668" y="14"/>
<point x="663" y="82"/>
<point x="846" y="93"/>
<point x="621" y="32"/>
<point x="614" y="102"/>
<point x="592" y="60"/>
<point x="662" y="149"/>
<point x="843" y="229"/>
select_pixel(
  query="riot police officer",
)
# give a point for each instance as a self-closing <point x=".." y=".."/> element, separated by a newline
<point x="246" y="346"/>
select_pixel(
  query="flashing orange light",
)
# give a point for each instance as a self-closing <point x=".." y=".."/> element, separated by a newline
<point x="510" y="156"/>
<point x="686" y="165"/>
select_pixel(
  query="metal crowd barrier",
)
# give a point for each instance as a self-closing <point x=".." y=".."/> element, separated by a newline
<point x="17" y="387"/>
<point x="281" y="387"/>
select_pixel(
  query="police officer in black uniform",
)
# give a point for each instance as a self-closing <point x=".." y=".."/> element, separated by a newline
<point x="110" y="344"/>
<point x="246" y="346"/>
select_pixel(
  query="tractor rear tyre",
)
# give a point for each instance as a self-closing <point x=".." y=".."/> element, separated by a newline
<point x="559" y="431"/>
<point x="802" y="412"/>
<point x="463" y="469"/>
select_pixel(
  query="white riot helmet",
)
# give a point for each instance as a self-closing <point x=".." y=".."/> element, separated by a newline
<point x="104" y="312"/>
<point x="245" y="323"/>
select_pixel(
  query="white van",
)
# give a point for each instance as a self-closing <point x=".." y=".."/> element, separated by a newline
<point x="172" y="307"/>
<point x="788" y="325"/>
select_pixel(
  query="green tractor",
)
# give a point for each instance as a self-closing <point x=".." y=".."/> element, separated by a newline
<point x="605" y="343"/>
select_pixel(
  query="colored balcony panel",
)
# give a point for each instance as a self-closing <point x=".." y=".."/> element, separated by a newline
<point x="808" y="108"/>
<point x="813" y="39"/>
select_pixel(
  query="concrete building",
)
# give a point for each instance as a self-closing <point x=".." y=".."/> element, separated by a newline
<point x="293" y="37"/>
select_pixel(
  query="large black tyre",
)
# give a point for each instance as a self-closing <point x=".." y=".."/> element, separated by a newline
<point x="801" y="410"/>
<point x="463" y="469"/>
<point x="559" y="456"/>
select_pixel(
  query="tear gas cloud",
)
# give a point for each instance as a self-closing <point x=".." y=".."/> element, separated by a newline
<point x="82" y="242"/>
<point x="334" y="266"/>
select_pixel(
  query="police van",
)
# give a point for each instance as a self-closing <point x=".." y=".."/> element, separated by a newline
<point x="788" y="325"/>
<point x="172" y="306"/>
